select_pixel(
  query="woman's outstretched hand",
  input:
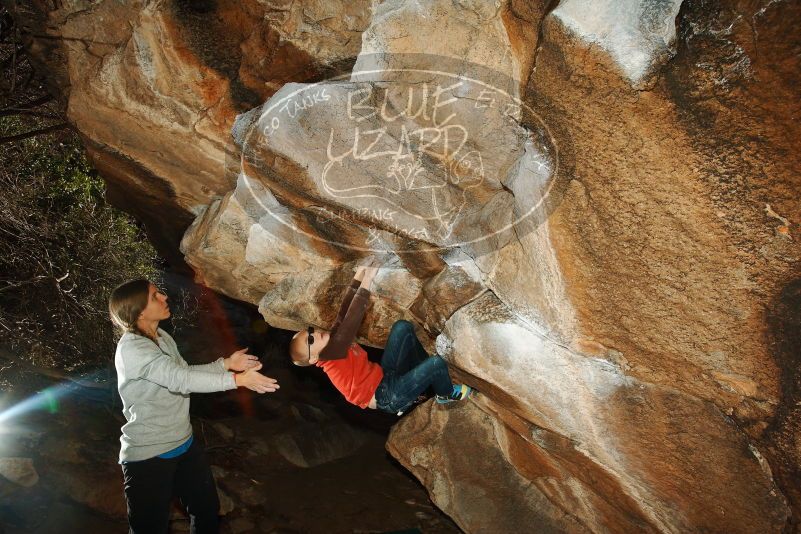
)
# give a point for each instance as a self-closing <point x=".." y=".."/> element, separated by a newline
<point x="255" y="381"/>
<point x="240" y="361"/>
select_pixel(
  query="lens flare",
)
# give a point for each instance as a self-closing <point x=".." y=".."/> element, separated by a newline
<point x="48" y="400"/>
<point x="45" y="400"/>
<point x="226" y="334"/>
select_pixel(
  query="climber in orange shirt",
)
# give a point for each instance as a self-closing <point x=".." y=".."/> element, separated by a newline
<point x="406" y="369"/>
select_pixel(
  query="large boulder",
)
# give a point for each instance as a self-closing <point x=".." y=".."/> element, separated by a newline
<point x="593" y="204"/>
<point x="154" y="87"/>
<point x="583" y="438"/>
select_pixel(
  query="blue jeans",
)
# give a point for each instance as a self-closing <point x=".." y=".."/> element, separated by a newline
<point x="408" y="371"/>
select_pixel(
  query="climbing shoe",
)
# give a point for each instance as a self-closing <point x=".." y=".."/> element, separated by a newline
<point x="460" y="392"/>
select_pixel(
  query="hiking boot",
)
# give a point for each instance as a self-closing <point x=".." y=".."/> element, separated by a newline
<point x="460" y="392"/>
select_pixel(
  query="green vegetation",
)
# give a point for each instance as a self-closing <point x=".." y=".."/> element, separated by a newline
<point x="62" y="247"/>
<point x="62" y="250"/>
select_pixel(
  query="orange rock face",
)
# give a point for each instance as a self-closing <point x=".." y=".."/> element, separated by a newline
<point x="155" y="88"/>
<point x="592" y="206"/>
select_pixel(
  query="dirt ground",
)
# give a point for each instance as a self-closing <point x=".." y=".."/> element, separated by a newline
<point x="71" y="434"/>
<point x="300" y="460"/>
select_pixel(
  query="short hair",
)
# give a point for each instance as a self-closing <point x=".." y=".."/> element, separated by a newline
<point x="298" y="349"/>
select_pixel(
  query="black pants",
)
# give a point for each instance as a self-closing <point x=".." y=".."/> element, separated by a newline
<point x="151" y="484"/>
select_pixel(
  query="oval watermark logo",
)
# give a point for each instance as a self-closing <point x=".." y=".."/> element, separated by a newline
<point x="404" y="154"/>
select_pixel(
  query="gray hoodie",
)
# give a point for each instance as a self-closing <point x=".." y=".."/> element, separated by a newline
<point x="154" y="382"/>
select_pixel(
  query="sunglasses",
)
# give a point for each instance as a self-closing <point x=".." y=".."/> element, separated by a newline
<point x="310" y="339"/>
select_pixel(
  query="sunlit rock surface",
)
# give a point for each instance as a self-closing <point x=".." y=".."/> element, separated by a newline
<point x="589" y="437"/>
<point x="594" y="205"/>
<point x="637" y="34"/>
<point x="154" y="87"/>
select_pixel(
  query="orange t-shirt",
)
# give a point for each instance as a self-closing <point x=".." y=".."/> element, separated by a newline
<point x="354" y="376"/>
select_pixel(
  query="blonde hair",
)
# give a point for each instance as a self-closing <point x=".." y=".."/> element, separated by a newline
<point x="126" y="303"/>
<point x="298" y="349"/>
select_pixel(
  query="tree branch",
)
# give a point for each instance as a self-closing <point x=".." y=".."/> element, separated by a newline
<point x="27" y="80"/>
<point x="13" y="71"/>
<point x="34" y="133"/>
<point x="44" y="99"/>
<point x="8" y="112"/>
<point x="24" y="282"/>
<point x="7" y="61"/>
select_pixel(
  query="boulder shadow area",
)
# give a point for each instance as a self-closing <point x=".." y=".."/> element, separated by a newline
<point x="300" y="460"/>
